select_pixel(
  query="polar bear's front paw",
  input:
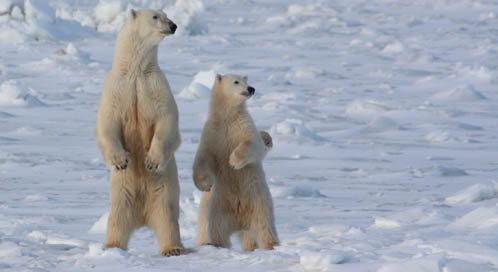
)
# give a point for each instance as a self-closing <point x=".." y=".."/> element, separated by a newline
<point x="119" y="161"/>
<point x="153" y="161"/>
<point x="238" y="159"/>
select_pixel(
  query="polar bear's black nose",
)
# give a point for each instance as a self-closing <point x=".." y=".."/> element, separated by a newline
<point x="173" y="27"/>
<point x="251" y="90"/>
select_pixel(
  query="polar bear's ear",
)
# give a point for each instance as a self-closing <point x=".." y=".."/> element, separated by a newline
<point x="218" y="78"/>
<point x="245" y="78"/>
<point x="133" y="14"/>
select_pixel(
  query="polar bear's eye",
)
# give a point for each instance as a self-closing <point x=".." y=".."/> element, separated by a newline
<point x="236" y="82"/>
<point x="155" y="17"/>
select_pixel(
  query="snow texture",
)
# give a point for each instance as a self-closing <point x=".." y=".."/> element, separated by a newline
<point x="382" y="112"/>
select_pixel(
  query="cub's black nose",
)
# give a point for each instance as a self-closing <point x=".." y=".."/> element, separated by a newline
<point x="251" y="90"/>
<point x="173" y="27"/>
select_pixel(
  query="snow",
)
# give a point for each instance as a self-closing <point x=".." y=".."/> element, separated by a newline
<point x="200" y="87"/>
<point x="382" y="113"/>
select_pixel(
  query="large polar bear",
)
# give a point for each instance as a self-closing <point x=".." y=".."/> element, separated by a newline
<point x="137" y="133"/>
<point x="228" y="168"/>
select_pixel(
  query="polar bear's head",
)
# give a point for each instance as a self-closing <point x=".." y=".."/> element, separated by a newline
<point x="152" y="25"/>
<point x="233" y="88"/>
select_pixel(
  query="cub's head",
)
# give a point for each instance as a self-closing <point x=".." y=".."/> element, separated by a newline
<point x="233" y="88"/>
<point x="152" y="25"/>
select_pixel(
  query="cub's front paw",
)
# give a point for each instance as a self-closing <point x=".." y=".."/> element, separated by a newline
<point x="238" y="160"/>
<point x="119" y="161"/>
<point x="153" y="161"/>
<point x="266" y="139"/>
<point x="204" y="182"/>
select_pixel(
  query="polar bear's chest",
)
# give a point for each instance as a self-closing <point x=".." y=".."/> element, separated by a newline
<point x="140" y="102"/>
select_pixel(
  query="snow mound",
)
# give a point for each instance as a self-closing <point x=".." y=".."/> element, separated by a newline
<point x="72" y="53"/>
<point x="480" y="218"/>
<point x="464" y="94"/>
<point x="293" y="129"/>
<point x="393" y="48"/>
<point x="200" y="87"/>
<point x="101" y="225"/>
<point x="440" y="137"/>
<point x="14" y="93"/>
<point x="318" y="261"/>
<point x="295" y="192"/>
<point x="56" y="240"/>
<point x="423" y="263"/>
<point x="110" y="15"/>
<point x="381" y="124"/>
<point x="9" y="250"/>
<point x="385" y="223"/>
<point x="189" y="16"/>
<point x="451" y="171"/>
<point x="96" y="250"/>
<point x="307" y="19"/>
<point x="37" y="19"/>
<point x="475" y="193"/>
<point x="35" y="197"/>
<point x="365" y="109"/>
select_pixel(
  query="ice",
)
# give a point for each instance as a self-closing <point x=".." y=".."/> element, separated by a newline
<point x="12" y="92"/>
<point x="475" y="193"/>
<point x="299" y="191"/>
<point x="37" y="19"/>
<point x="10" y="250"/>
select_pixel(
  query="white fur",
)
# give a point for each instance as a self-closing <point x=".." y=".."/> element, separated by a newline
<point x="137" y="133"/>
<point x="228" y="168"/>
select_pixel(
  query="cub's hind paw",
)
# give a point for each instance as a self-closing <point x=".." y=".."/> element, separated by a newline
<point x="175" y="251"/>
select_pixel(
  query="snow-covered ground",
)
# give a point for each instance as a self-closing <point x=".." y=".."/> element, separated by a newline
<point x="383" y="114"/>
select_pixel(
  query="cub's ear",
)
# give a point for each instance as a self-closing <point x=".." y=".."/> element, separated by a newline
<point x="245" y="78"/>
<point x="133" y="14"/>
<point x="218" y="78"/>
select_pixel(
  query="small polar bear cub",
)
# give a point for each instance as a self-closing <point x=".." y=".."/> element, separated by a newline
<point x="138" y="134"/>
<point x="228" y="169"/>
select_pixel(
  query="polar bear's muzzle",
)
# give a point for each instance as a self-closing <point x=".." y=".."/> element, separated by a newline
<point x="250" y="91"/>
<point x="171" y="28"/>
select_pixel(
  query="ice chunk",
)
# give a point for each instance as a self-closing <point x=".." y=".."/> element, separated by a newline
<point x="475" y="193"/>
<point x="101" y="225"/>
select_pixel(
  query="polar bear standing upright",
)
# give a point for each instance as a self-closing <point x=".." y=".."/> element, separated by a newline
<point x="228" y="168"/>
<point x="137" y="133"/>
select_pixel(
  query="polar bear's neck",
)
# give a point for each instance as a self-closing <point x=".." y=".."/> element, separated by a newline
<point x="134" y="55"/>
<point x="223" y="112"/>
